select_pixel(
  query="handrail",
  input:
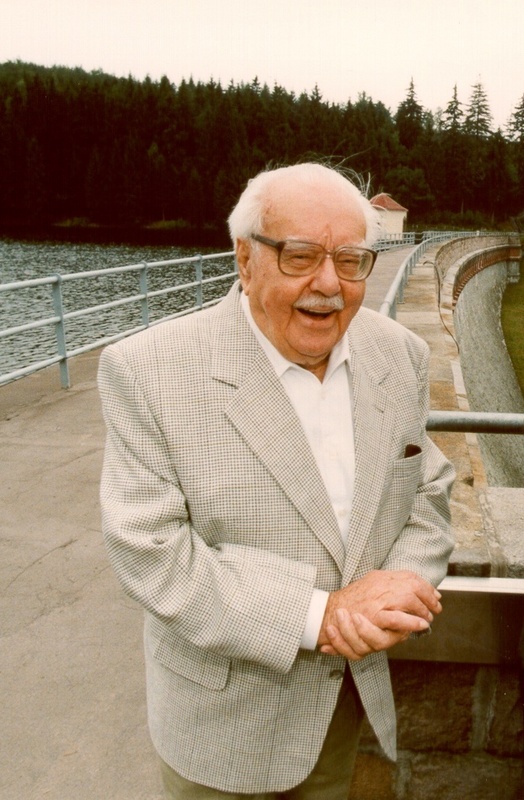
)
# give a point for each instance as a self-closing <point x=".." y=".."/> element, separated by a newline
<point x="142" y="296"/>
<point x="396" y="290"/>
<point x="475" y="422"/>
<point x="61" y="316"/>
<point x="392" y="240"/>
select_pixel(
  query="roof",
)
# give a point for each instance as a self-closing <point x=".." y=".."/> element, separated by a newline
<point x="385" y="201"/>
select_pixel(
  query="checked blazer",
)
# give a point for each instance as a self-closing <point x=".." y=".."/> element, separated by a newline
<point x="218" y="523"/>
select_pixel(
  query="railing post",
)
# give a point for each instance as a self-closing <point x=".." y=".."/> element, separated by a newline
<point x="144" y="303"/>
<point x="61" y="344"/>
<point x="198" y="277"/>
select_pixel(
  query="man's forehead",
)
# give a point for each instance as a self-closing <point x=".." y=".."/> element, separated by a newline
<point x="294" y="202"/>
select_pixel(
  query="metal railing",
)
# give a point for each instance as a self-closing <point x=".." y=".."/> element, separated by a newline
<point x="142" y="296"/>
<point x="475" y="422"/>
<point x="395" y="293"/>
<point x="392" y="240"/>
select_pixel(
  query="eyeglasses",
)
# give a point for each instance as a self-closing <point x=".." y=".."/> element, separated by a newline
<point x="302" y="258"/>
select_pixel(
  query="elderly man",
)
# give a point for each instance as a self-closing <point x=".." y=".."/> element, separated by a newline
<point x="272" y="500"/>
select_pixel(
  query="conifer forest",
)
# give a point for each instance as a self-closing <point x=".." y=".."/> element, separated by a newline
<point x="88" y="148"/>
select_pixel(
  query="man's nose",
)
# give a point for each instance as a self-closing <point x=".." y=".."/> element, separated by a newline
<point x="325" y="278"/>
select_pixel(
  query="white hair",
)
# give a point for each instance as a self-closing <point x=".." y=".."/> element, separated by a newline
<point x="247" y="217"/>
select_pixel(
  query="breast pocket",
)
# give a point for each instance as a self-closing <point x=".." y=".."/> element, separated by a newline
<point x="406" y="478"/>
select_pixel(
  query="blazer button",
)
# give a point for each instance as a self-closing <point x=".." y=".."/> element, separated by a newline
<point x="337" y="674"/>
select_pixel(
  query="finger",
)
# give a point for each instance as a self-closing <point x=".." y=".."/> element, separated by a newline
<point x="430" y="602"/>
<point x="416" y="597"/>
<point x="372" y="637"/>
<point x="376" y="639"/>
<point x="419" y="608"/>
<point x="402" y="622"/>
<point x="362" y="636"/>
<point x="428" y="595"/>
<point x="329" y="650"/>
<point x="408" y="604"/>
<point x="343" y="643"/>
<point x="357" y="637"/>
<point x="393" y="590"/>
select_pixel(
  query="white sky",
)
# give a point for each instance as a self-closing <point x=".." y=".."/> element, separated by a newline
<point x="345" y="46"/>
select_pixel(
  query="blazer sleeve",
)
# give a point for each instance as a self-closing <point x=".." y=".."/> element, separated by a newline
<point x="237" y="601"/>
<point x="426" y="541"/>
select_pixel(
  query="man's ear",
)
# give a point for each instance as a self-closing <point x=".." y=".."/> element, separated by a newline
<point x="243" y="257"/>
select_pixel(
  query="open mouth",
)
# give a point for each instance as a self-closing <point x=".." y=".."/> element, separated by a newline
<point x="312" y="314"/>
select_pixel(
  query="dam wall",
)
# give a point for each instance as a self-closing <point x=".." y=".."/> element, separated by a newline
<point x="489" y="378"/>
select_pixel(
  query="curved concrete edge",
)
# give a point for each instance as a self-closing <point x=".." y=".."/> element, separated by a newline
<point x="489" y="378"/>
<point x="481" y="521"/>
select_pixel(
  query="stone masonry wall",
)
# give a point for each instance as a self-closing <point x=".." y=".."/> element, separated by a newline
<point x="459" y="735"/>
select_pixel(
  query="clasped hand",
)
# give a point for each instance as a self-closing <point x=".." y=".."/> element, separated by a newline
<point x="376" y="612"/>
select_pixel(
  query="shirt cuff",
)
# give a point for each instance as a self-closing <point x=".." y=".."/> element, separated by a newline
<point x="317" y="608"/>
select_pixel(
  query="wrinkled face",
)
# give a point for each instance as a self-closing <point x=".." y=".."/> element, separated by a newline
<point x="279" y="303"/>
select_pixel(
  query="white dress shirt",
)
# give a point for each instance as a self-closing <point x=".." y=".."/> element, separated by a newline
<point x="326" y="413"/>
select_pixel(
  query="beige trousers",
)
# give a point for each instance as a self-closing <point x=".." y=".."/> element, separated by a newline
<point x="330" y="778"/>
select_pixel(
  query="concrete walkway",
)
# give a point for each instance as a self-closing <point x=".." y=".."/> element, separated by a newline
<point x="72" y="687"/>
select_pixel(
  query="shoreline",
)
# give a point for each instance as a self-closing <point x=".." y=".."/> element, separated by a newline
<point x="137" y="235"/>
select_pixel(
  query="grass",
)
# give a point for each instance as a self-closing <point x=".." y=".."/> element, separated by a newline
<point x="513" y="325"/>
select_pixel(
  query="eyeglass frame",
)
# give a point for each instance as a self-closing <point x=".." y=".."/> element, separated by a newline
<point x="279" y="246"/>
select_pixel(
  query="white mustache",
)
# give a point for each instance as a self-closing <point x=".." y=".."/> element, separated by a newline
<point x="318" y="301"/>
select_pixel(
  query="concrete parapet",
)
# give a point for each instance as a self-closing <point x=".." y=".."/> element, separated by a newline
<point x="507" y="510"/>
<point x="449" y="254"/>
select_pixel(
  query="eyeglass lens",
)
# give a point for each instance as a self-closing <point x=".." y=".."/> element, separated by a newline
<point x="300" y="257"/>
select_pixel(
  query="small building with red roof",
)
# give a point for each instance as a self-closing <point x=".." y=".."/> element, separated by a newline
<point x="393" y="215"/>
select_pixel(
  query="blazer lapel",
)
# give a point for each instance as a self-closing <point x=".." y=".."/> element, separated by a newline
<point x="262" y="413"/>
<point x="373" y="423"/>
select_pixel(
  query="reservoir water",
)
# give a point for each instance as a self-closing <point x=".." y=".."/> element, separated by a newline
<point x="24" y="260"/>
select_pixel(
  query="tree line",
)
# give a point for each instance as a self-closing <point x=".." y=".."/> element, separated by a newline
<point x="96" y="148"/>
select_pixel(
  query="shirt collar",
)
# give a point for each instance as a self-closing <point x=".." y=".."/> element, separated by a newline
<point x="339" y="354"/>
